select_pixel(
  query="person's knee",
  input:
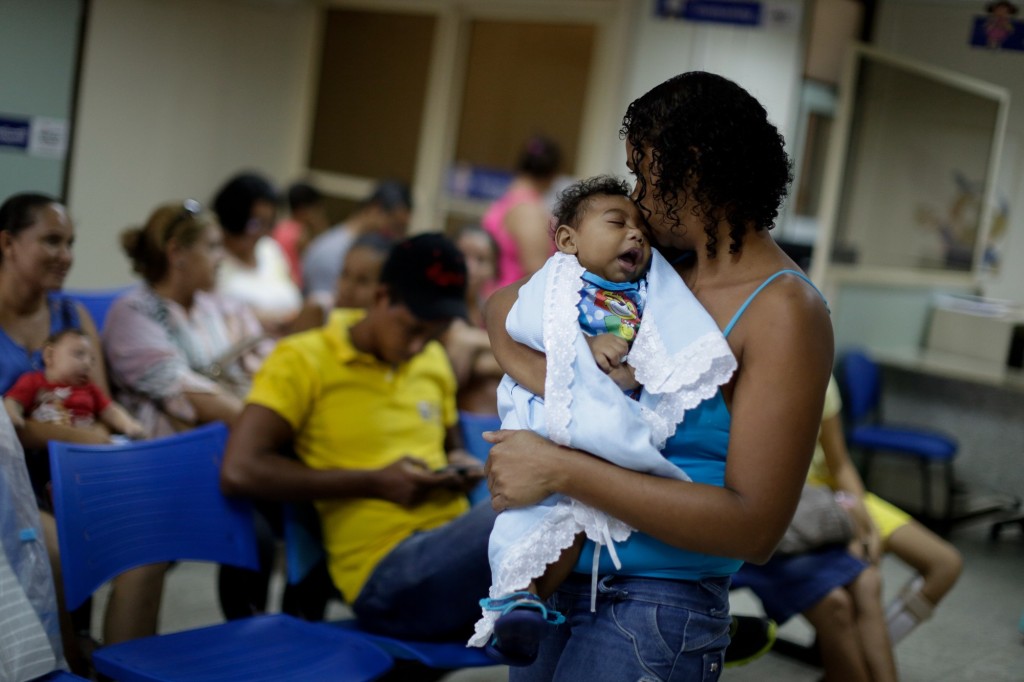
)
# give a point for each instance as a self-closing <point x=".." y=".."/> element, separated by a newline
<point x="867" y="587"/>
<point x="943" y="572"/>
<point x="835" y="608"/>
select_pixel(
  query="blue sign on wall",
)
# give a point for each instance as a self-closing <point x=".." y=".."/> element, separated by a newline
<point x="477" y="182"/>
<point x="14" y="133"/>
<point x="714" y="11"/>
<point x="998" y="33"/>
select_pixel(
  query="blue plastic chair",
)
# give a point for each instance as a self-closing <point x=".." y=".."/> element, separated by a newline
<point x="97" y="302"/>
<point x="122" y="506"/>
<point x="59" y="676"/>
<point x="472" y="426"/>
<point x="861" y="382"/>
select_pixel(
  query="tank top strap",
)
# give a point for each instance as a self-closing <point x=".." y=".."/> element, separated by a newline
<point x="753" y="295"/>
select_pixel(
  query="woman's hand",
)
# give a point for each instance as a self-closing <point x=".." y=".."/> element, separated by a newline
<point x="522" y="468"/>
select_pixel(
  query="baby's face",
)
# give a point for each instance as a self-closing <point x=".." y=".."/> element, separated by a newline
<point x="611" y="239"/>
<point x="70" y="360"/>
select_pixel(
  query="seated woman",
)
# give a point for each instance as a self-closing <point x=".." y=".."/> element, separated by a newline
<point x="834" y="587"/>
<point x="36" y="236"/>
<point x="884" y="528"/>
<point x="469" y="350"/>
<point x="166" y="338"/>
<point x="256" y="269"/>
<point x="181" y="354"/>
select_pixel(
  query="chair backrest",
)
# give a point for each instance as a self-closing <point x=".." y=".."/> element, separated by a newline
<point x="97" y="302"/>
<point x="861" y="382"/>
<point x="127" y="505"/>
<point x="472" y="426"/>
<point x="303" y="542"/>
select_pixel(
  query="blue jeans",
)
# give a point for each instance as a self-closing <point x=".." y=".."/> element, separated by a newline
<point x="430" y="585"/>
<point x="644" y="630"/>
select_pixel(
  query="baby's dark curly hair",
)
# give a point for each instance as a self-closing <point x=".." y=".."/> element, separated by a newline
<point x="574" y="200"/>
<point x="714" y="153"/>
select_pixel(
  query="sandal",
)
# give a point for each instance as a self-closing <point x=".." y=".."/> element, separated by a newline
<point x="522" y="624"/>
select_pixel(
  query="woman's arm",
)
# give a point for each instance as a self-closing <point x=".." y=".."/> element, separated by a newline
<point x="525" y="365"/>
<point x="99" y="368"/>
<point x="838" y="459"/>
<point x="218" y="405"/>
<point x="36" y="435"/>
<point x="785" y="353"/>
<point x="849" y="482"/>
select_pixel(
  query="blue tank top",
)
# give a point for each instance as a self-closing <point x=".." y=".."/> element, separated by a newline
<point x="699" y="447"/>
<point x="15" y="360"/>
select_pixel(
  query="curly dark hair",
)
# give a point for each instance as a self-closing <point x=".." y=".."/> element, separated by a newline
<point x="714" y="153"/>
<point x="233" y="202"/>
<point x="574" y="200"/>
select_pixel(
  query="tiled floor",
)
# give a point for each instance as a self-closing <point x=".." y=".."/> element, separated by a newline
<point x="973" y="636"/>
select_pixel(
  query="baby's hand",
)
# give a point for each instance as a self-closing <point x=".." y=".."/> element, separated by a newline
<point x="609" y="351"/>
<point x="624" y="377"/>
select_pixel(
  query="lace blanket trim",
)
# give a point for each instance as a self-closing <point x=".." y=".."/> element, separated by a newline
<point x="560" y="327"/>
<point x="530" y="555"/>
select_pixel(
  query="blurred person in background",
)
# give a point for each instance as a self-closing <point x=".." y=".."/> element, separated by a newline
<point x="386" y="212"/>
<point x="255" y="269"/>
<point x="307" y="218"/>
<point x="519" y="219"/>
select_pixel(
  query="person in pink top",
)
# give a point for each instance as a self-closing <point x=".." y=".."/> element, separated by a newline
<point x="307" y="218"/>
<point x="518" y="220"/>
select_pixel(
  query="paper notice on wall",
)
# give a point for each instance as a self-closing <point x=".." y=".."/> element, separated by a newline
<point x="49" y="137"/>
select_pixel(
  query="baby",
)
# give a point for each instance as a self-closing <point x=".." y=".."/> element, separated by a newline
<point x="608" y="312"/>
<point x="64" y="392"/>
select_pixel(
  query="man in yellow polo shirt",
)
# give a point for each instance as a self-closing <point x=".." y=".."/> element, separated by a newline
<point x="367" y="402"/>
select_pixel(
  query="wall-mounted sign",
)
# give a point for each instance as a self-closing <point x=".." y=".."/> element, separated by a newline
<point x="476" y="182"/>
<point x="49" y="137"/>
<point x="14" y="133"/>
<point x="35" y="136"/>
<point x="998" y="30"/>
<point x="713" y="11"/>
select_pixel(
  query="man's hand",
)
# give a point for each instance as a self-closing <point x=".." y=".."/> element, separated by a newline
<point x="409" y="481"/>
<point x="467" y="470"/>
<point x="608" y="350"/>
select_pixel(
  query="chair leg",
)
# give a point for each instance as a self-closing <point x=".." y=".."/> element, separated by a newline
<point x="865" y="467"/>
<point x="950" y="484"/>
<point x="926" y="489"/>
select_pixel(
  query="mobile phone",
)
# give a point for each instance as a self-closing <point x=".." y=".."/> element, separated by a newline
<point x="460" y="469"/>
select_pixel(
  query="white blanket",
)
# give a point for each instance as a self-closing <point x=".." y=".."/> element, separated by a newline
<point x="680" y="357"/>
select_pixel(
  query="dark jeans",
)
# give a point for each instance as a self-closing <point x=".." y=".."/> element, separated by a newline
<point x="429" y="586"/>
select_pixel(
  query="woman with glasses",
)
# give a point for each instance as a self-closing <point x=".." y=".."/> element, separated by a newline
<point x="180" y="354"/>
<point x="36" y="238"/>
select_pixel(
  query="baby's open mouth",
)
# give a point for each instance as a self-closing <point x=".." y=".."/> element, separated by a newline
<point x="630" y="259"/>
